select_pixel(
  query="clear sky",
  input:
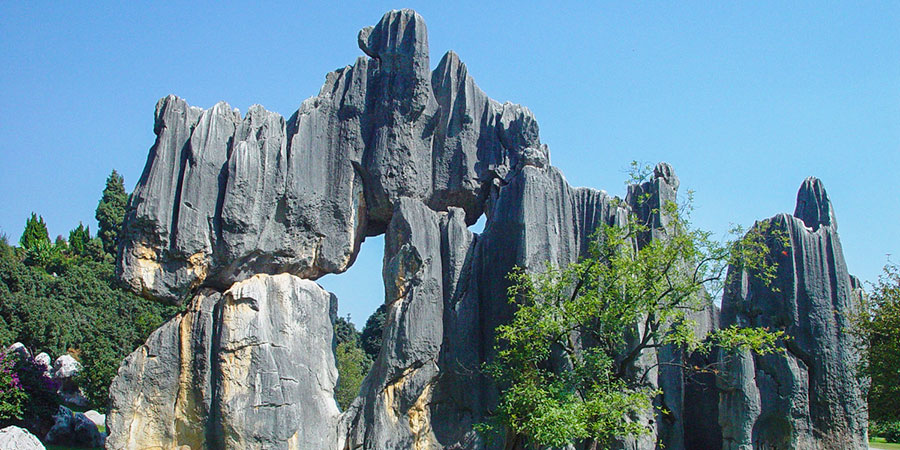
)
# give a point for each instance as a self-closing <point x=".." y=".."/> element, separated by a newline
<point x="744" y="100"/>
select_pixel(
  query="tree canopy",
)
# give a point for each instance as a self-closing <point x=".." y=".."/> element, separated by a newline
<point x="111" y="212"/>
<point x="568" y="362"/>
<point x="878" y="327"/>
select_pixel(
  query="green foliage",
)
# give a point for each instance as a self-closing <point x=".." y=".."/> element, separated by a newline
<point x="79" y="239"/>
<point x="12" y="395"/>
<point x="111" y="212"/>
<point x="889" y="430"/>
<point x="372" y="332"/>
<point x="345" y="331"/>
<point x="35" y="232"/>
<point x="41" y="392"/>
<point x="79" y="308"/>
<point x="877" y="324"/>
<point x="567" y="362"/>
<point x="100" y="358"/>
<point x="353" y="364"/>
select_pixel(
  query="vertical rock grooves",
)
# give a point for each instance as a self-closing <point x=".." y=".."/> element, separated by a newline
<point x="236" y="215"/>
<point x="807" y="397"/>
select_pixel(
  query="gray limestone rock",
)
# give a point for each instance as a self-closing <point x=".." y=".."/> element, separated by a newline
<point x="236" y="215"/>
<point x="806" y="397"/>
<point x="73" y="429"/>
<point x="251" y="368"/>
<point x="223" y="197"/>
<point x="44" y="360"/>
<point x="19" y="348"/>
<point x="15" y="438"/>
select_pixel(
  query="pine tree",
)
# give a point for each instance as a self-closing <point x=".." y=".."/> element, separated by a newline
<point x="111" y="211"/>
<point x="35" y="233"/>
<point x="78" y="240"/>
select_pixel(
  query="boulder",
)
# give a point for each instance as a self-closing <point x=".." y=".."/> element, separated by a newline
<point x="44" y="359"/>
<point x="97" y="418"/>
<point x="19" y="348"/>
<point x="73" y="429"/>
<point x="65" y="367"/>
<point x="15" y="438"/>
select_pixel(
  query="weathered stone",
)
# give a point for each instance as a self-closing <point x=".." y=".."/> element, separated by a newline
<point x="73" y="429"/>
<point x="97" y="418"/>
<point x="65" y="367"/>
<point x="15" y="438"/>
<point x="44" y="360"/>
<point x="388" y="146"/>
<point x="806" y="397"/>
<point x="250" y="368"/>
<point x="223" y="198"/>
<point x="395" y="412"/>
<point x="19" y="348"/>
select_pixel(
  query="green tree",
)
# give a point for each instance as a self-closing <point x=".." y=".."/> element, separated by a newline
<point x="372" y="331"/>
<point x="35" y="233"/>
<point x="345" y="331"/>
<point x="877" y="324"/>
<point x="79" y="239"/>
<point x="111" y="212"/>
<point x="568" y="364"/>
<point x="80" y="308"/>
<point x="353" y="364"/>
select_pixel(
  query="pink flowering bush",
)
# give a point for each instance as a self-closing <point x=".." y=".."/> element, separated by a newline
<point x="12" y="394"/>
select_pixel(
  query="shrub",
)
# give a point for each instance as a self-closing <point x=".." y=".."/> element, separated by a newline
<point x="12" y="395"/>
<point x="42" y="400"/>
<point x="352" y="365"/>
<point x="890" y="431"/>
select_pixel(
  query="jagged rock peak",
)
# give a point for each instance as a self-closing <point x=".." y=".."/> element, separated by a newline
<point x="813" y="206"/>
<point x="665" y="171"/>
<point x="399" y="32"/>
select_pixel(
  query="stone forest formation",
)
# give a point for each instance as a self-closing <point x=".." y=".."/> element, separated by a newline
<point x="235" y="217"/>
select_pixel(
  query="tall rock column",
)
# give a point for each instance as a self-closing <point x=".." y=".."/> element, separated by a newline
<point x="806" y="397"/>
<point x="394" y="411"/>
<point x="252" y="368"/>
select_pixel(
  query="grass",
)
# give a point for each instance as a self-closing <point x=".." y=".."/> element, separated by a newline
<point x="879" y="443"/>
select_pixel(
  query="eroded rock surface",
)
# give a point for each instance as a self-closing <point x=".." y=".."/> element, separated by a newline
<point x="251" y="368"/>
<point x="235" y="215"/>
<point x="223" y="197"/>
<point x="808" y="396"/>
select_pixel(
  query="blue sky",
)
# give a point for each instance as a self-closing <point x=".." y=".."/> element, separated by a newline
<point x="744" y="100"/>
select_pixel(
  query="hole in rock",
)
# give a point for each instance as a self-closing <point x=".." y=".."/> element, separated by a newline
<point x="360" y="290"/>
<point x="478" y="226"/>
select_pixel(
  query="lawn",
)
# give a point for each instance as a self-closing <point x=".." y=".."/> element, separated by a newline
<point x="879" y="443"/>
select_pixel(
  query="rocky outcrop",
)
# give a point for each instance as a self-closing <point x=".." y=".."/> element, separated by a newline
<point x="223" y="197"/>
<point x="15" y="438"/>
<point x="236" y="215"/>
<point x="806" y="397"/>
<point x="250" y="368"/>
<point x="73" y="429"/>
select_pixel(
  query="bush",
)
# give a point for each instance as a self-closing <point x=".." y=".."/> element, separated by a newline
<point x="352" y="365"/>
<point x="12" y="395"/>
<point x="42" y="400"/>
<point x="79" y="309"/>
<point x="890" y="431"/>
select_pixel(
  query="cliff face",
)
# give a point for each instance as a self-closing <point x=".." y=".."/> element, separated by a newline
<point x="235" y="216"/>
<point x="807" y="397"/>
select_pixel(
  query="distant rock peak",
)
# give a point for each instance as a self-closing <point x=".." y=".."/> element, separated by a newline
<point x="813" y="206"/>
